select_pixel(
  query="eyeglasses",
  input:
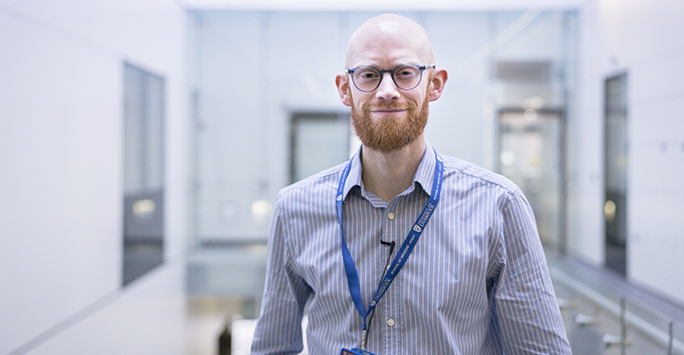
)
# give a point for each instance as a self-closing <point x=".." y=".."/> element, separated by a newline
<point x="406" y="77"/>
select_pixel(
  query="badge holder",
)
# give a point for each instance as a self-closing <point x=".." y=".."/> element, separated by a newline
<point x="355" y="351"/>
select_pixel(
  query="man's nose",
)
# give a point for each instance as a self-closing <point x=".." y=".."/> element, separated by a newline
<point x="387" y="90"/>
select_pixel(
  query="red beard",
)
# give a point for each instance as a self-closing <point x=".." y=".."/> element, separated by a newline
<point x="386" y="135"/>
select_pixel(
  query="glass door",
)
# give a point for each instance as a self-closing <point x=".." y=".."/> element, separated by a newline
<point x="531" y="155"/>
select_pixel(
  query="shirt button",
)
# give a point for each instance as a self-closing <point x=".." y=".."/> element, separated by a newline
<point x="390" y="215"/>
<point x="390" y="322"/>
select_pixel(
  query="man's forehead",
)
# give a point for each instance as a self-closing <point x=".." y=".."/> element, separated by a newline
<point x="384" y="62"/>
<point x="385" y="53"/>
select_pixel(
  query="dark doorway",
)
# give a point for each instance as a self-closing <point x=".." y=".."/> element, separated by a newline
<point x="143" y="172"/>
<point x="615" y="172"/>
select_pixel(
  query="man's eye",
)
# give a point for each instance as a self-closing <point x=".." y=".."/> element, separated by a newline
<point x="405" y="73"/>
<point x="366" y="75"/>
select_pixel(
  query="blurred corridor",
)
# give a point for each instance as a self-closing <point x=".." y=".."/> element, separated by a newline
<point x="144" y="142"/>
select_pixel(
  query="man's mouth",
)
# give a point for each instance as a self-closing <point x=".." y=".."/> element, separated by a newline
<point x="389" y="110"/>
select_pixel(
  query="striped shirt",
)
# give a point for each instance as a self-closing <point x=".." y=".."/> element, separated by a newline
<point x="476" y="282"/>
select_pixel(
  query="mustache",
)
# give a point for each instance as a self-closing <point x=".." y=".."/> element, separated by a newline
<point x="388" y="106"/>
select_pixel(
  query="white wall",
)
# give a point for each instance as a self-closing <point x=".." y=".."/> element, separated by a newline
<point x="61" y="148"/>
<point x="585" y="146"/>
<point x="643" y="38"/>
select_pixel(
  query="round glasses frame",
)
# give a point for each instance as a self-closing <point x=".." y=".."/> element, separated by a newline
<point x="381" y="75"/>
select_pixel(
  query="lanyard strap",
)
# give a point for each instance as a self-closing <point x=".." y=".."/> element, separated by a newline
<point x="404" y="251"/>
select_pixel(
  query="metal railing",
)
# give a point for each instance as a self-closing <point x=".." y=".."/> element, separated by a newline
<point x="632" y="314"/>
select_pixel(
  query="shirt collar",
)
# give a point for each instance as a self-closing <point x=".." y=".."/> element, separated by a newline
<point x="424" y="175"/>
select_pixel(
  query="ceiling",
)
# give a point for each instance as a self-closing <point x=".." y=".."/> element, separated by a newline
<point x="385" y="5"/>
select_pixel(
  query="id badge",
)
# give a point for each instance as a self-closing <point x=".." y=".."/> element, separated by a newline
<point x="355" y="351"/>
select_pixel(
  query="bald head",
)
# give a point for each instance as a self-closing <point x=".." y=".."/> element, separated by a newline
<point x="388" y="35"/>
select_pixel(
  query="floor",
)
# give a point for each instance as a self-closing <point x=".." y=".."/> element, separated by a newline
<point x="208" y="317"/>
<point x="225" y="283"/>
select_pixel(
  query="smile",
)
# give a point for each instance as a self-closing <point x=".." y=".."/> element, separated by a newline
<point x="388" y="110"/>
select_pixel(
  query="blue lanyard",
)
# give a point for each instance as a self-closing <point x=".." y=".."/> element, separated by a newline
<point x="404" y="251"/>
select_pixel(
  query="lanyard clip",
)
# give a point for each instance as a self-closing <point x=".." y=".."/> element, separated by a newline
<point x="364" y="338"/>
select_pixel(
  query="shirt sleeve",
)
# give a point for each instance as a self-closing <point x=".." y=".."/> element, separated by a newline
<point x="278" y="329"/>
<point x="525" y="310"/>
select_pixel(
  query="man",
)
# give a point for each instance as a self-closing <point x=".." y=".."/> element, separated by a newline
<point x="400" y="250"/>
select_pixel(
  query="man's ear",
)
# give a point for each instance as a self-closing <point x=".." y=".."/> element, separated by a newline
<point x="436" y="85"/>
<point x="342" y="82"/>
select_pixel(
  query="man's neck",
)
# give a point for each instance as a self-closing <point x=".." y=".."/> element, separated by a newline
<point x="388" y="174"/>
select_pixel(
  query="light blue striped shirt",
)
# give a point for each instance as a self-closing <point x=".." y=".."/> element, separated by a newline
<point x="476" y="282"/>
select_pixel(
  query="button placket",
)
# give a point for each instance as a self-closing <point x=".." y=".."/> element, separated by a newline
<point x="389" y="322"/>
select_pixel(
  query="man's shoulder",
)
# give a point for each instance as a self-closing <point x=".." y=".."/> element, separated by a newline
<point x="321" y="183"/>
<point x="468" y="172"/>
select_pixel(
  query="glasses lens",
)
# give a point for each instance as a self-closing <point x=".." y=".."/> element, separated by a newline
<point x="366" y="78"/>
<point x="407" y="77"/>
